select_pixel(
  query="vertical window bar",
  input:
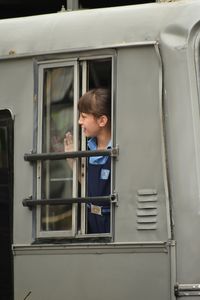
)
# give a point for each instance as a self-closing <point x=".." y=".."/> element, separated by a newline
<point x="39" y="146"/>
<point x="83" y="160"/>
<point x="47" y="143"/>
<point x="75" y="141"/>
<point x="113" y="92"/>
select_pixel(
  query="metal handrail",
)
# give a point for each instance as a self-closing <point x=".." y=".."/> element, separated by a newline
<point x="29" y="202"/>
<point x="113" y="152"/>
<point x="187" y="290"/>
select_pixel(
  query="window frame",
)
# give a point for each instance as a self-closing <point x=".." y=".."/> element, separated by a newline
<point x="55" y="63"/>
<point x="42" y="67"/>
<point x="83" y="233"/>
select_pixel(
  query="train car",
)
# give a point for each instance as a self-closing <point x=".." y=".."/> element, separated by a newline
<point x="148" y="56"/>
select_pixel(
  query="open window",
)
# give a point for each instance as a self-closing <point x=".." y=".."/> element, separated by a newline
<point x="60" y="198"/>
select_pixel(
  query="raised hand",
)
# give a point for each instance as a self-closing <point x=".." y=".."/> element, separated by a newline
<point x="68" y="147"/>
<point x="68" y="142"/>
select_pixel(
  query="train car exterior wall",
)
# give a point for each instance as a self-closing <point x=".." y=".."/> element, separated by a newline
<point x="149" y="57"/>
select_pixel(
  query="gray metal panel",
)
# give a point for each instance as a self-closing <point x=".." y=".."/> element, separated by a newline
<point x="183" y="141"/>
<point x="98" y="28"/>
<point x="140" y="173"/>
<point x="84" y="275"/>
<point x="16" y="86"/>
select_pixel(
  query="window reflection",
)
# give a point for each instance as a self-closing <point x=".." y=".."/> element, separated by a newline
<point x="57" y="119"/>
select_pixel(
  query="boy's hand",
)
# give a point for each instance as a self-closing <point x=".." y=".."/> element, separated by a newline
<point x="68" y="142"/>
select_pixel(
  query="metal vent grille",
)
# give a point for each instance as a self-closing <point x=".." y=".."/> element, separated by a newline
<point x="147" y="209"/>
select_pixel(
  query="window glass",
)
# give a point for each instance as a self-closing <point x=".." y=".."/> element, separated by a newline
<point x="63" y="83"/>
<point x="57" y="179"/>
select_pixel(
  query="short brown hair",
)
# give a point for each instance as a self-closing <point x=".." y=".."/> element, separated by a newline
<point x="96" y="102"/>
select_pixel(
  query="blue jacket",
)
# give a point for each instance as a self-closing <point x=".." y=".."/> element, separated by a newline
<point x="99" y="168"/>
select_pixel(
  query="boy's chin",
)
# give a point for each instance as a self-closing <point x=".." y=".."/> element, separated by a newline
<point x="89" y="136"/>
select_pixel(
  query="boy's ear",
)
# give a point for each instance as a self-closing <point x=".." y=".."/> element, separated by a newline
<point x="102" y="121"/>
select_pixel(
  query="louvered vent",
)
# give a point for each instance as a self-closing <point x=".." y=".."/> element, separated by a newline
<point x="147" y="209"/>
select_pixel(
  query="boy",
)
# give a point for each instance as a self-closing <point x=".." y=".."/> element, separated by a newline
<point x="95" y="119"/>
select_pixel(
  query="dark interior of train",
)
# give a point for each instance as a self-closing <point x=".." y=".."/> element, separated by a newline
<point x="6" y="187"/>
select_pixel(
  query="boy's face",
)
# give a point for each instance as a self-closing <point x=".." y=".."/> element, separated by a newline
<point x="91" y="125"/>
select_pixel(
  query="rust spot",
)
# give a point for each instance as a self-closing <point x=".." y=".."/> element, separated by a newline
<point x="12" y="52"/>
